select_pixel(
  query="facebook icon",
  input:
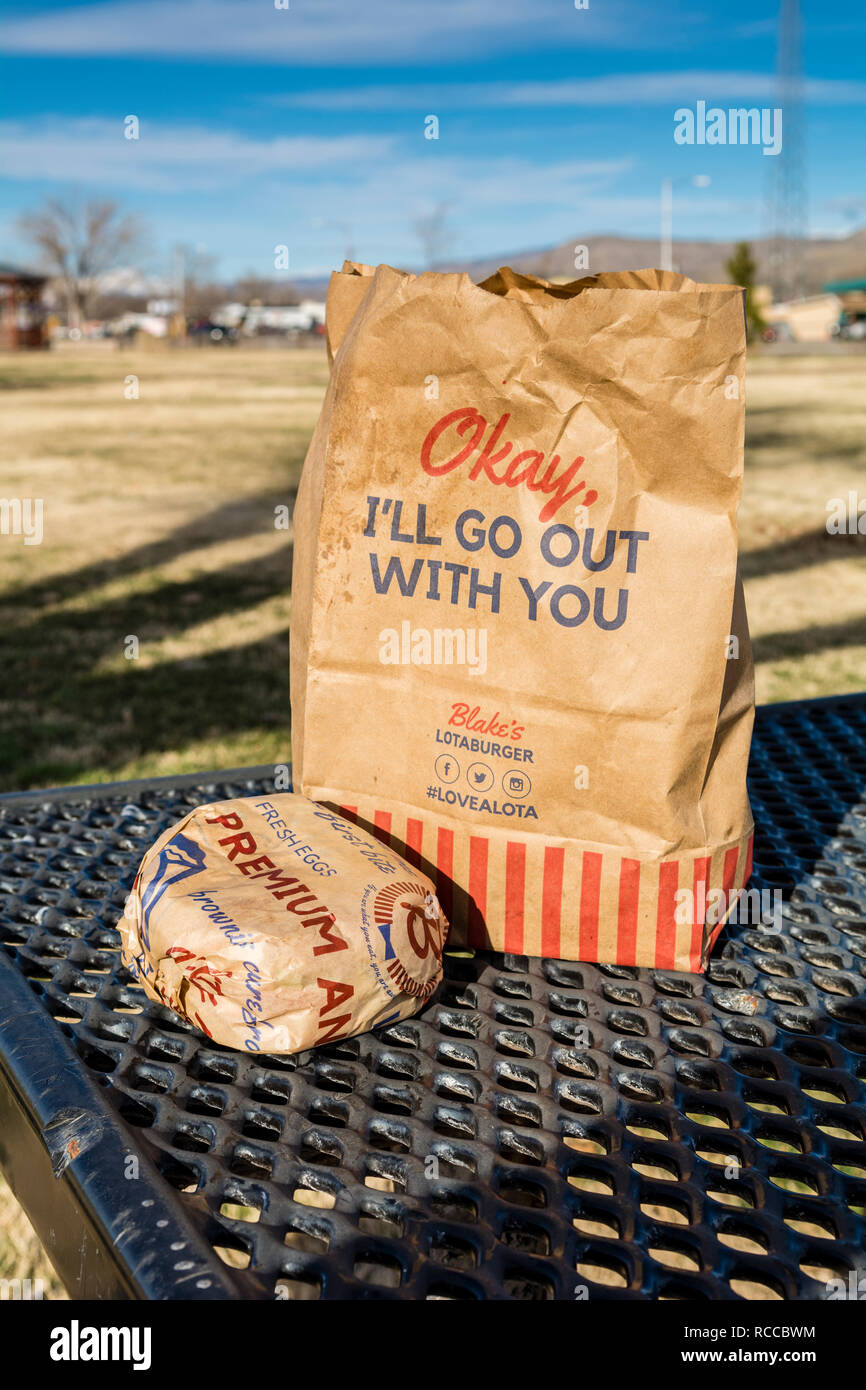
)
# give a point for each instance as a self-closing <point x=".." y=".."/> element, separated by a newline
<point x="447" y="768"/>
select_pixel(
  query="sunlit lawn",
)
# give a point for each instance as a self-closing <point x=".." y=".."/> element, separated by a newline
<point x="160" y="527"/>
<point x="165" y="536"/>
<point x="805" y="588"/>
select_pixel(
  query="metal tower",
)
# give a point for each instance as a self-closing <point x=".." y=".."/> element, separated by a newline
<point x="786" y="192"/>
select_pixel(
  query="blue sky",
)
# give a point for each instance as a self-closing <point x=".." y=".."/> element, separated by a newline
<point x="305" y="126"/>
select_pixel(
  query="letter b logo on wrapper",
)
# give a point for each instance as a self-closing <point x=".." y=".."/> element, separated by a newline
<point x="409" y="921"/>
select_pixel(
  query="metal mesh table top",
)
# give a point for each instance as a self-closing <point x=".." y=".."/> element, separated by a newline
<point x="543" y="1129"/>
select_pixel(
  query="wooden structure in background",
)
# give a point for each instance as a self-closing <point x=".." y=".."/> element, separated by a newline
<point x="22" y="318"/>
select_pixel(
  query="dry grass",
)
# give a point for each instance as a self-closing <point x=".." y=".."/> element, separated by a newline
<point x="21" y="1255"/>
<point x="805" y="589"/>
<point x="159" y="523"/>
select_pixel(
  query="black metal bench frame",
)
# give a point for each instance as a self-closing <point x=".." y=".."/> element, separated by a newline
<point x="542" y="1130"/>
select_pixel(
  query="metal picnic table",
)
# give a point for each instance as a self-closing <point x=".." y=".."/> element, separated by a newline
<point x="542" y="1130"/>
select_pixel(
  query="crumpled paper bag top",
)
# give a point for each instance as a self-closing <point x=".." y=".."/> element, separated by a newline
<point x="275" y="925"/>
<point x="515" y="545"/>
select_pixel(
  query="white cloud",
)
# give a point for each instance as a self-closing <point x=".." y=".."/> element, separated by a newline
<point x="618" y="89"/>
<point x="499" y="204"/>
<point x="168" y="158"/>
<point x="312" y="194"/>
<point x="316" y="32"/>
<point x="200" y="159"/>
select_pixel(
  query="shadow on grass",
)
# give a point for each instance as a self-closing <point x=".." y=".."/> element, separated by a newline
<point x="60" y="716"/>
<point x="109" y="720"/>
<point x="795" y="552"/>
<point x="245" y="516"/>
<point x="790" y="426"/>
<point x="814" y="446"/>
<point x="786" y="557"/>
<point x="783" y="646"/>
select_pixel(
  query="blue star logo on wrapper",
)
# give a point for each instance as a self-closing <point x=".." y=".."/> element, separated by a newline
<point x="179" y="859"/>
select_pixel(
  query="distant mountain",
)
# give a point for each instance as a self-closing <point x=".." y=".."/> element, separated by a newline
<point x="842" y="258"/>
<point x="826" y="259"/>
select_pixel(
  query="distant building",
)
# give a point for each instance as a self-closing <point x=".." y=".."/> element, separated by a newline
<point x="851" y="292"/>
<point x="253" y="319"/>
<point x="852" y="299"/>
<point x="164" y="308"/>
<point x="22" y="317"/>
<point x="156" y="325"/>
<point x="810" y="320"/>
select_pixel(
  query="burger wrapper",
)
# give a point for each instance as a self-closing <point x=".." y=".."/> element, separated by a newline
<point x="274" y="925"/>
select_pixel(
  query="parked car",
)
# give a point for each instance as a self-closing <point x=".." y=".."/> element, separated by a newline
<point x="852" y="328"/>
<point x="778" y="332"/>
<point x="204" y="330"/>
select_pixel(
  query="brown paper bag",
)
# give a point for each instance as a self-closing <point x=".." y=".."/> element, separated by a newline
<point x="519" y="643"/>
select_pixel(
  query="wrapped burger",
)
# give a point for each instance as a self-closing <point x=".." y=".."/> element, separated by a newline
<point x="274" y="925"/>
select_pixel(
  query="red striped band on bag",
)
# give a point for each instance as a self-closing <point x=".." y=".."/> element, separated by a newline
<point x="534" y="899"/>
<point x="515" y="892"/>
<point x="700" y="888"/>
<point x="729" y="879"/>
<point x="445" y="867"/>
<point x="479" y="846"/>
<point x="729" y="873"/>
<point x="629" y="898"/>
<point x="414" y="838"/>
<point x="666" y="921"/>
<point x="590" y="888"/>
<point x="551" y="901"/>
<point x="382" y="827"/>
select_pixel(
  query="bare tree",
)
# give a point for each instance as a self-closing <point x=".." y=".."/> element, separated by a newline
<point x="78" y="243"/>
<point x="433" y="233"/>
<point x="198" y="291"/>
<point x="252" y="286"/>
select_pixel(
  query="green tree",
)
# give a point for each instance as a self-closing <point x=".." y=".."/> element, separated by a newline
<point x="742" y="268"/>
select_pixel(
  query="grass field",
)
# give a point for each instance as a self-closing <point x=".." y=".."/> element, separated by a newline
<point x="159" y="525"/>
<point x="21" y="1255"/>
<point x="805" y="588"/>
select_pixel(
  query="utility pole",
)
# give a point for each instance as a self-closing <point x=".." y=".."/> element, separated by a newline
<point x="180" y="276"/>
<point x="666" y="241"/>
<point x="785" y="210"/>
<point x="666" y="246"/>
